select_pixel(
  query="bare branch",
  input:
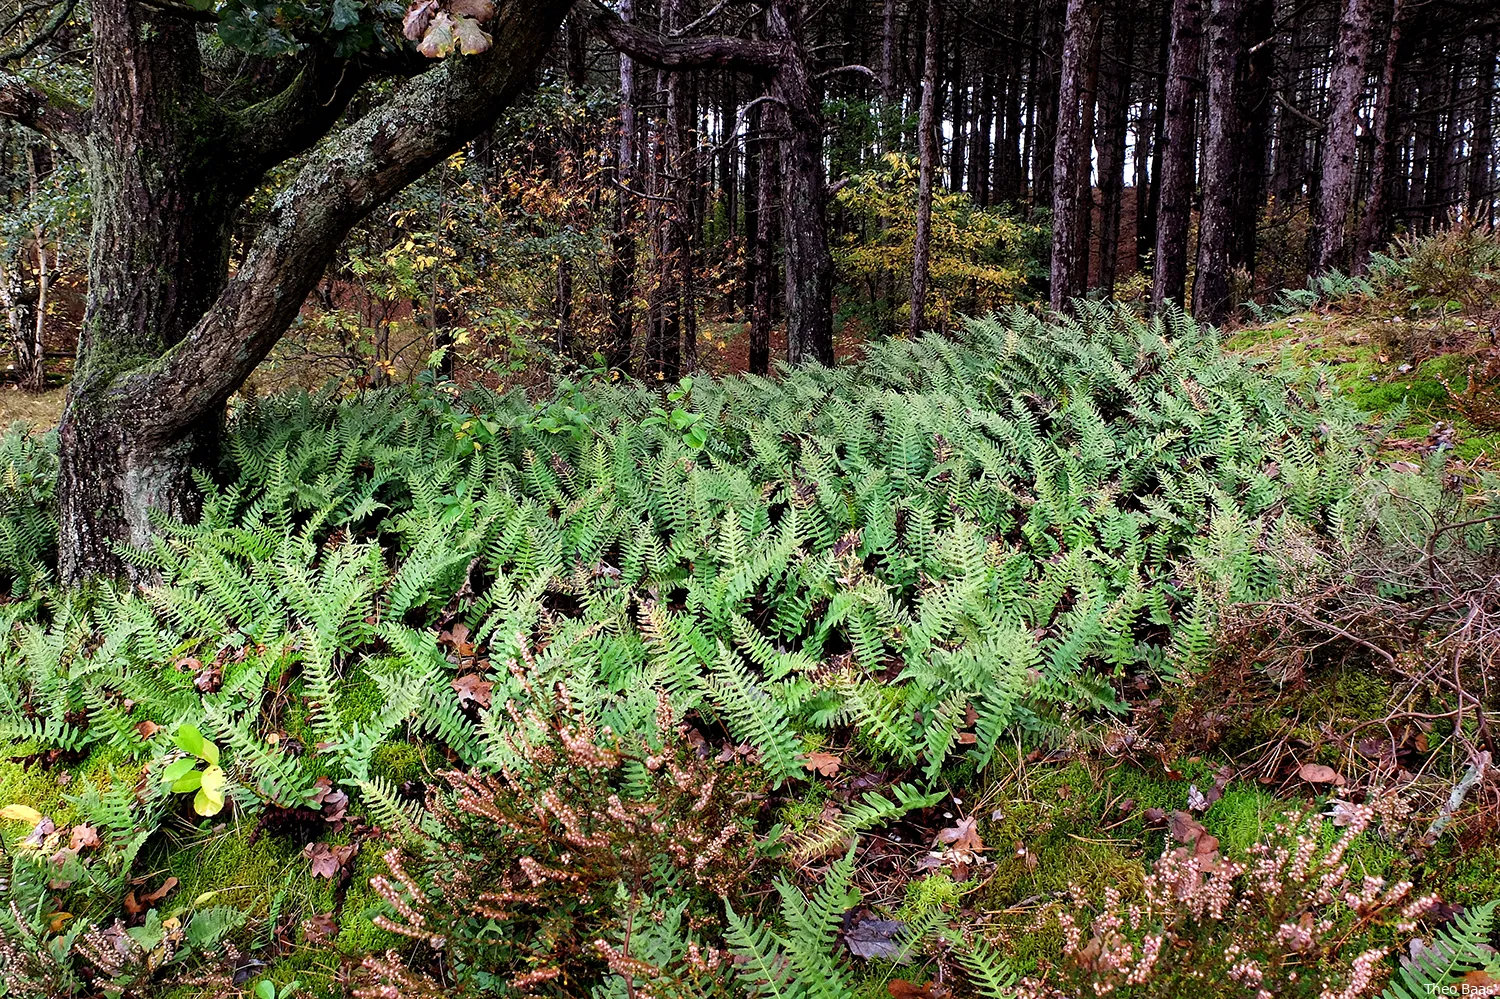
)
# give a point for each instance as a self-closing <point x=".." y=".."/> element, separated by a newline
<point x="690" y="52"/>
<point x="43" y="35"/>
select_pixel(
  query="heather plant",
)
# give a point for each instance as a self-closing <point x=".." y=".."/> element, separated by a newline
<point x="594" y="859"/>
<point x="1297" y="914"/>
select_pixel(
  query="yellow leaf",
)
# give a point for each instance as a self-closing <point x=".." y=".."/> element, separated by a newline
<point x="20" y="813"/>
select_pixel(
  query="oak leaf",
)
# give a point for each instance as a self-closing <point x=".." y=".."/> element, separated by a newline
<point x="826" y="764"/>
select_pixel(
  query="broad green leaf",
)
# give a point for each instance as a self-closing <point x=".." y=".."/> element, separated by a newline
<point x="189" y="781"/>
<point x="177" y="769"/>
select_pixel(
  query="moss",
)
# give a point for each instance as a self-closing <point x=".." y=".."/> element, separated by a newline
<point x="398" y="762"/>
<point x="358" y="935"/>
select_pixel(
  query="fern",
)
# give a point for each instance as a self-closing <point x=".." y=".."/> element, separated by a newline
<point x="1455" y="950"/>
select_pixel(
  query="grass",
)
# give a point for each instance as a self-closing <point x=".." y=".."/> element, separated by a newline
<point x="1359" y="347"/>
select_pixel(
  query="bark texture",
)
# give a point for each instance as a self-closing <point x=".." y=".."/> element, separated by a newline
<point x="1211" y="288"/>
<point x="1176" y="184"/>
<point x="1341" y="144"/>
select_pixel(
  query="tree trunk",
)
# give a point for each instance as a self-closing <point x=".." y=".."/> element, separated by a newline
<point x="1257" y="70"/>
<point x="1084" y="181"/>
<point x="1341" y="141"/>
<point x="1176" y="208"/>
<point x="1211" y="287"/>
<point x="168" y="334"/>
<point x="1480" y="203"/>
<point x="622" y="243"/>
<point x="1374" y="225"/>
<point x="1114" y="107"/>
<point x="763" y="258"/>
<point x="958" y="149"/>
<point x="1067" y="284"/>
<point x="927" y="168"/>
<point x="809" y="262"/>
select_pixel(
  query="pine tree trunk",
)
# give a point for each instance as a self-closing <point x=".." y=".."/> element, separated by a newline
<point x="1257" y="70"/>
<point x="958" y="149"/>
<point x="622" y="243"/>
<point x="1114" y="108"/>
<point x="927" y="168"/>
<point x="168" y="333"/>
<point x="1211" y="286"/>
<point x="1084" y="181"/>
<point x="1341" y="141"/>
<point x="1067" y="283"/>
<point x="762" y="262"/>
<point x="1481" y="195"/>
<point x="1174" y="215"/>
<point x="809" y="262"/>
<point x="1374" y="225"/>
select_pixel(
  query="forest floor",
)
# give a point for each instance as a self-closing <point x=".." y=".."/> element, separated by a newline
<point x="1232" y="744"/>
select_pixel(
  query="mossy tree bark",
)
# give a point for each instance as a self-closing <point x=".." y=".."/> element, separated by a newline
<point x="168" y="333"/>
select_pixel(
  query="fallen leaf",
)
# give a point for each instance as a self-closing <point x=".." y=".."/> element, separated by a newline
<point x="900" y="988"/>
<point x="876" y="938"/>
<point x="473" y="689"/>
<point x="1186" y="829"/>
<point x="328" y="861"/>
<point x="58" y="920"/>
<point x="1317" y="773"/>
<point x="46" y="827"/>
<point x="964" y="836"/>
<point x="147" y="729"/>
<point x="20" y="813"/>
<point x="316" y="929"/>
<point x="1154" y="816"/>
<point x="826" y="764"/>
<point x="83" y="836"/>
<point x="160" y="893"/>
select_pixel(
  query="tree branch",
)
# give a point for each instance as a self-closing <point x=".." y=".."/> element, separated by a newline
<point x="296" y="118"/>
<point x="687" y="52"/>
<point x="359" y="168"/>
<point x="55" y="117"/>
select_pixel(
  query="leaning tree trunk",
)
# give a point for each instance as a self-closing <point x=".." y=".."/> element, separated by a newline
<point x="1211" y="287"/>
<point x="1341" y="144"/>
<point x="168" y="333"/>
<point x="1174" y="214"/>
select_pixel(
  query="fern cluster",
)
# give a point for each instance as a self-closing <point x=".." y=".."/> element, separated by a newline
<point x="948" y="544"/>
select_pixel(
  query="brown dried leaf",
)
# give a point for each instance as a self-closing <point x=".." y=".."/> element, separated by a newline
<point x="316" y="929"/>
<point x="1186" y="829"/>
<point x="147" y="729"/>
<point x="823" y="763"/>
<point x="479" y="10"/>
<point x="439" y="40"/>
<point x="473" y="689"/>
<point x="83" y="836"/>
<point x="900" y="988"/>
<point x="471" y="38"/>
<point x="964" y="836"/>
<point x="329" y="861"/>
<point x="418" y="17"/>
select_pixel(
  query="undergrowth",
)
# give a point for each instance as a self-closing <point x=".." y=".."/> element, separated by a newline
<point x="952" y="549"/>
